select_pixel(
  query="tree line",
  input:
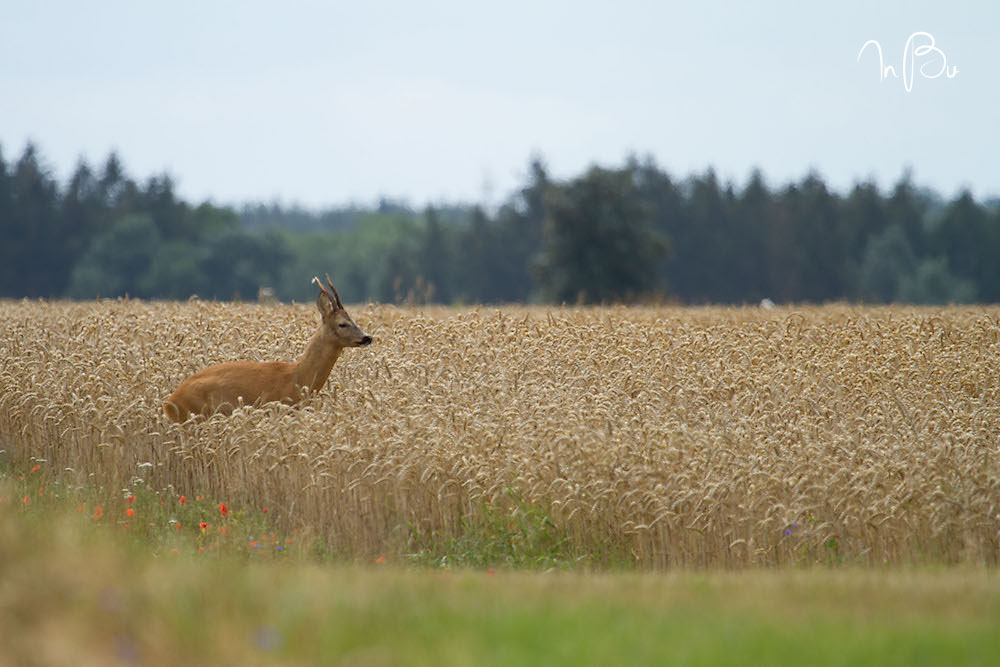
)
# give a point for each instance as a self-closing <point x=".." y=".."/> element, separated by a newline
<point x="624" y="234"/>
<point x="104" y="234"/>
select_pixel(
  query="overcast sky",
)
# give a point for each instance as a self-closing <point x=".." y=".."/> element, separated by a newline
<point x="323" y="103"/>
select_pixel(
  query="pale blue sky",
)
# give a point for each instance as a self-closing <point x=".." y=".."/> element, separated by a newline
<point x="323" y="103"/>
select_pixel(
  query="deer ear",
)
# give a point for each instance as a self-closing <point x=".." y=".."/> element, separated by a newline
<point x="325" y="305"/>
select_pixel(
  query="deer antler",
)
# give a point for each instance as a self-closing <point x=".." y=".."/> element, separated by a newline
<point x="340" y="304"/>
<point x="320" y="285"/>
<point x="334" y="297"/>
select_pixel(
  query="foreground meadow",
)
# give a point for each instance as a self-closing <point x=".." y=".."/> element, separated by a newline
<point x="78" y="592"/>
<point x="656" y="437"/>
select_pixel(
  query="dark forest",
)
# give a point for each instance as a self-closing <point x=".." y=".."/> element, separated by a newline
<point x="626" y="234"/>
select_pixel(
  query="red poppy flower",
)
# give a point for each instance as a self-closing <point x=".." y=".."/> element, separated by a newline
<point x="130" y="512"/>
<point x="203" y="526"/>
<point x="131" y="499"/>
<point x="182" y="500"/>
<point x="98" y="513"/>
<point x="223" y="509"/>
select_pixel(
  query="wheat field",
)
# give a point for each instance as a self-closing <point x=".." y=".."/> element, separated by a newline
<point x="675" y="437"/>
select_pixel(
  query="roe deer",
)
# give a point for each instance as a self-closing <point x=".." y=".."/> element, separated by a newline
<point x="220" y="388"/>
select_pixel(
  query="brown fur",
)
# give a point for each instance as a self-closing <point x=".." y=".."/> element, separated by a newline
<point x="223" y="387"/>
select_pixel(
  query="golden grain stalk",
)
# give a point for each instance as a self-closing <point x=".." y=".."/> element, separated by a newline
<point x="708" y="437"/>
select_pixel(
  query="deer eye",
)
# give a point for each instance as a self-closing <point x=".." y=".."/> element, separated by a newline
<point x="342" y="325"/>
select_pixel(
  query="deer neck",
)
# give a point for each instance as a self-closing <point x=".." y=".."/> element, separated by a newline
<point x="317" y="361"/>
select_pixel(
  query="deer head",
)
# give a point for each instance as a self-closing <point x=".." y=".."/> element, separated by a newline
<point x="338" y="327"/>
